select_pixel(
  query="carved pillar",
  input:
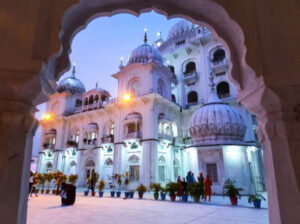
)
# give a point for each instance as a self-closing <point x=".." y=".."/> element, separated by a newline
<point x="17" y="127"/>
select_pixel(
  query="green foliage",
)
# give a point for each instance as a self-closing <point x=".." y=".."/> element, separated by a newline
<point x="64" y="178"/>
<point x="119" y="179"/>
<point x="101" y="185"/>
<point x="57" y="174"/>
<point x="156" y="187"/>
<point x="230" y="190"/>
<point x="163" y="190"/>
<point x="126" y="175"/>
<point x="41" y="179"/>
<point x="172" y="188"/>
<point x="141" y="188"/>
<point x="49" y="177"/>
<point x="195" y="189"/>
<point x="73" y="178"/>
<point x="255" y="197"/>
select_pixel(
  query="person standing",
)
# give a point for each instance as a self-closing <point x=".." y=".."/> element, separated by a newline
<point x="180" y="187"/>
<point x="201" y="184"/>
<point x="207" y="184"/>
<point x="34" y="184"/>
<point x="184" y="186"/>
<point x="30" y="182"/>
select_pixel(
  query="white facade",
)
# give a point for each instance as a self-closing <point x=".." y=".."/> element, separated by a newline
<point x="148" y="136"/>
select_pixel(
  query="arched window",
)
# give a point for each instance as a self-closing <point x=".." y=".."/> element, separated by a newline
<point x="174" y="129"/>
<point x="103" y="98"/>
<point x="192" y="97"/>
<point x="223" y="90"/>
<point x="173" y="98"/>
<point x="48" y="167"/>
<point x="135" y="88"/>
<point x="96" y="100"/>
<point x="218" y="55"/>
<point x="190" y="67"/>
<point x="172" y="69"/>
<point x="78" y="103"/>
<point x="90" y="168"/>
<point x="134" y="168"/>
<point x="161" y="87"/>
<point x="86" y="101"/>
<point x="72" y="169"/>
<point x="108" y="162"/>
<point x="176" y="168"/>
<point x="91" y="99"/>
<point x="112" y="129"/>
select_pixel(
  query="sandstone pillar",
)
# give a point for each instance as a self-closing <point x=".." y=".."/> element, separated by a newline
<point x="17" y="127"/>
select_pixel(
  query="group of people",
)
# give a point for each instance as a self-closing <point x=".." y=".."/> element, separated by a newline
<point x="204" y="185"/>
<point x="33" y="181"/>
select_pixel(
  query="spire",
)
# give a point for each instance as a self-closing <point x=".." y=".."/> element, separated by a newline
<point x="213" y="98"/>
<point x="145" y="36"/>
<point x="73" y="71"/>
<point x="96" y="85"/>
<point x="121" y="63"/>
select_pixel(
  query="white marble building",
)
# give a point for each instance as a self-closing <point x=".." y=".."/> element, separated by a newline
<point x="176" y="120"/>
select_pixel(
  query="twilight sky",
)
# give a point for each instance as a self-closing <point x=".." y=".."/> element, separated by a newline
<point x="97" y="49"/>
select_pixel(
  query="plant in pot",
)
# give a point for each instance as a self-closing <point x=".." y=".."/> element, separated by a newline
<point x="163" y="193"/>
<point x="49" y="177"/>
<point x="141" y="189"/>
<point x="58" y="175"/>
<point x="94" y="180"/>
<point x="73" y="178"/>
<point x="101" y="187"/>
<point x="156" y="187"/>
<point x="42" y="181"/>
<point x="230" y="190"/>
<point x="126" y="182"/>
<point x="172" y="188"/>
<point x="256" y="199"/>
<point x="119" y="182"/>
<point x="195" y="191"/>
<point x="88" y="182"/>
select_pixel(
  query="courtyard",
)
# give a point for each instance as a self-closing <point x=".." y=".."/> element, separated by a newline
<point x="47" y="209"/>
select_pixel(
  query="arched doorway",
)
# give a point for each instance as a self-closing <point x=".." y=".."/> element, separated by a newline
<point x="90" y="168"/>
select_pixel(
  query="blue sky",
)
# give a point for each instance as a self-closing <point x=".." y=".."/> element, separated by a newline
<point x="97" y="49"/>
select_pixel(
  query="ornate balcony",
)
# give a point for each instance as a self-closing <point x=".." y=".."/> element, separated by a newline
<point x="190" y="78"/>
<point x="219" y="66"/>
<point x="133" y="135"/>
<point x="48" y="146"/>
<point x="107" y="139"/>
<point x="164" y="136"/>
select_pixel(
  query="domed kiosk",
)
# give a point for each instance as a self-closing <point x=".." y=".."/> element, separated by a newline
<point x="217" y="131"/>
<point x="180" y="28"/>
<point x="71" y="84"/>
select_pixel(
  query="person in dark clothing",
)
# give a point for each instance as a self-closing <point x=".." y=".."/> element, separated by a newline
<point x="68" y="194"/>
<point x="30" y="181"/>
<point x="201" y="184"/>
<point x="184" y="186"/>
<point x="189" y="178"/>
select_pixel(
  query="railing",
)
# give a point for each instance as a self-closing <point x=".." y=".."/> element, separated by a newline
<point x="48" y="146"/>
<point x="165" y="136"/>
<point x="89" y="141"/>
<point x="133" y="135"/>
<point x="190" y="77"/>
<point x="107" y="139"/>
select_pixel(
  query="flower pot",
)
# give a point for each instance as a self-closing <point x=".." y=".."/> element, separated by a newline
<point x="37" y="190"/>
<point x="93" y="193"/>
<point x="141" y="195"/>
<point x="257" y="203"/>
<point x="47" y="191"/>
<point x="172" y="197"/>
<point x="118" y="194"/>
<point x="126" y="194"/>
<point x="162" y="196"/>
<point x="53" y="191"/>
<point x="131" y="194"/>
<point x="112" y="194"/>
<point x="42" y="191"/>
<point x="155" y="195"/>
<point x="185" y="197"/>
<point x="196" y="198"/>
<point x="86" y="193"/>
<point x="233" y="200"/>
<point x="100" y="194"/>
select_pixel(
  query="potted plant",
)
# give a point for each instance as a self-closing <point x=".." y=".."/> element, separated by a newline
<point x="131" y="193"/>
<point x="172" y="188"/>
<point x="155" y="187"/>
<point x="231" y="191"/>
<point x="126" y="182"/>
<point x="195" y="191"/>
<point x="42" y="181"/>
<point x="119" y="182"/>
<point x="141" y="189"/>
<point x="73" y="178"/>
<point x="163" y="193"/>
<point x="256" y="199"/>
<point x="94" y="180"/>
<point x="88" y="181"/>
<point x="49" y="177"/>
<point x="101" y="187"/>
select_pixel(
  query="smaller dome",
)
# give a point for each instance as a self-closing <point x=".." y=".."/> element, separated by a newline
<point x="71" y="84"/>
<point x="145" y="54"/>
<point x="180" y="28"/>
<point x="217" y="123"/>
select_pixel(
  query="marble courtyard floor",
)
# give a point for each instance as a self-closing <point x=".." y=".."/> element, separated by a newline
<point x="46" y="209"/>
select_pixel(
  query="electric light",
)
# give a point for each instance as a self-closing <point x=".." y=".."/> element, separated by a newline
<point x="158" y="44"/>
<point x="122" y="58"/>
<point x="47" y="116"/>
<point x="126" y="97"/>
<point x="168" y="62"/>
<point x="74" y="64"/>
<point x="145" y="29"/>
<point x="158" y="34"/>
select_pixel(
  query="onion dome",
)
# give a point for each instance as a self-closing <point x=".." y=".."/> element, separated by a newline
<point x="145" y="54"/>
<point x="71" y="84"/>
<point x="217" y="123"/>
<point x="180" y="28"/>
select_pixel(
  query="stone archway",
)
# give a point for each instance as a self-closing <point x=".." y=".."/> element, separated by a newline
<point x="275" y="105"/>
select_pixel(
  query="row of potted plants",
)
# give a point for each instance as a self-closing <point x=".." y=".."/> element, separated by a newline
<point x="172" y="188"/>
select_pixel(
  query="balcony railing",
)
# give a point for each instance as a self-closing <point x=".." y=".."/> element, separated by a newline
<point x="48" y="146"/>
<point x="165" y="136"/>
<point x="219" y="66"/>
<point x="107" y="139"/>
<point x="133" y="135"/>
<point x="90" y="141"/>
<point x="190" y="77"/>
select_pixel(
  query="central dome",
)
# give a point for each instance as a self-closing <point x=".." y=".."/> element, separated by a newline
<point x="145" y="54"/>
<point x="71" y="84"/>
<point x="217" y="123"/>
<point x="180" y="28"/>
